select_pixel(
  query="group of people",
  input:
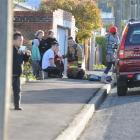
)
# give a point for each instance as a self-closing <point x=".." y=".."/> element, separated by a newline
<point x="44" y="52"/>
<point x="45" y="56"/>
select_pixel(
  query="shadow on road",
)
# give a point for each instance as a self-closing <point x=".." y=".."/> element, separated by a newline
<point x="133" y="96"/>
<point x="121" y="116"/>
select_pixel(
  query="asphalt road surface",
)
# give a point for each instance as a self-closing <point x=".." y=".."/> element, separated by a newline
<point x="117" y="119"/>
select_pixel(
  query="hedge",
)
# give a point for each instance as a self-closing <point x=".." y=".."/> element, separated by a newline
<point x="101" y="41"/>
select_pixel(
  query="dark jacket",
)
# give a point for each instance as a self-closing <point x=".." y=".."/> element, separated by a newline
<point x="46" y="44"/>
<point x="42" y="46"/>
<point x="49" y="42"/>
<point x="18" y="58"/>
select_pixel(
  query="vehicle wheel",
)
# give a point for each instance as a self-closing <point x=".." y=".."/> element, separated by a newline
<point x="121" y="90"/>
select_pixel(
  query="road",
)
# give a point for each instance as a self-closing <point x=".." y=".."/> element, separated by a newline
<point x="117" y="119"/>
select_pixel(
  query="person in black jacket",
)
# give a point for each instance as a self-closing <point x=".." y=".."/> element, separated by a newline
<point x="50" y="39"/>
<point x="47" y="43"/>
<point x="18" y="58"/>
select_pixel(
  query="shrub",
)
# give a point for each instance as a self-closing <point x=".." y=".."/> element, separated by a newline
<point x="27" y="71"/>
<point x="99" y="67"/>
<point x="101" y="41"/>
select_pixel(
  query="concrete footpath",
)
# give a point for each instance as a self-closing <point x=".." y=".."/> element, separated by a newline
<point x="55" y="109"/>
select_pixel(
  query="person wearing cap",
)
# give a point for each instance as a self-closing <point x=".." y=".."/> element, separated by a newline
<point x="113" y="41"/>
<point x="48" y="63"/>
<point x="36" y="56"/>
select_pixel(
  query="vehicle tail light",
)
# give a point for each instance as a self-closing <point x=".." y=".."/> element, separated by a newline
<point x="121" y="54"/>
<point x="122" y="45"/>
<point x="130" y="75"/>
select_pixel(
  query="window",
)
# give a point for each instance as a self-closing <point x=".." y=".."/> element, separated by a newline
<point x="133" y="36"/>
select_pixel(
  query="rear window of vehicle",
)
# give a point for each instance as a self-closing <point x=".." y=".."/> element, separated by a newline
<point x="133" y="36"/>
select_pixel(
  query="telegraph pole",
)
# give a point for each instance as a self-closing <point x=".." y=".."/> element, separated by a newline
<point x="117" y="14"/>
<point x="134" y="5"/>
<point x="5" y="63"/>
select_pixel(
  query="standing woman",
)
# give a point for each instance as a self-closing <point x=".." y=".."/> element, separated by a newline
<point x="36" y="57"/>
<point x="113" y="41"/>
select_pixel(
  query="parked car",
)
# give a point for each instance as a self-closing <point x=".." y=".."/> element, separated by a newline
<point x="128" y="62"/>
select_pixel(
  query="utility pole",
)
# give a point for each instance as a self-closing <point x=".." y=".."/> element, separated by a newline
<point x="117" y="14"/>
<point x="134" y="9"/>
<point x="5" y="63"/>
<point x="138" y="9"/>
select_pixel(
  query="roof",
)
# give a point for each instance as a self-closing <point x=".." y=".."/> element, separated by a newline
<point x="22" y="7"/>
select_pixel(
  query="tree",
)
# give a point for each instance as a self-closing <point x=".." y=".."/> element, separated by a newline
<point x="86" y="13"/>
<point x="87" y="17"/>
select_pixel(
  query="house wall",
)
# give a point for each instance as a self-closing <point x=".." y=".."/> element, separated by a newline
<point x="64" y="19"/>
<point x="29" y="22"/>
<point x="62" y="23"/>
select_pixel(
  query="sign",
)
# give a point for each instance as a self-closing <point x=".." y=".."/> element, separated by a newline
<point x="32" y="19"/>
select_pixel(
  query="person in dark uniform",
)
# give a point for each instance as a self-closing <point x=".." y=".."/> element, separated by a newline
<point x="18" y="58"/>
<point x="45" y="44"/>
<point x="50" y="39"/>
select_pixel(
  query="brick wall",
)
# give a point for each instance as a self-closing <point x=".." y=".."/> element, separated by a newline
<point x="29" y="22"/>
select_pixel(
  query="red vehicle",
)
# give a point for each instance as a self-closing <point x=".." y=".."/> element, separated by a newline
<point x="128" y="62"/>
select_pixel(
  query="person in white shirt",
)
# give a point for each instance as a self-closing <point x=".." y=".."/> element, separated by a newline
<point x="48" y="63"/>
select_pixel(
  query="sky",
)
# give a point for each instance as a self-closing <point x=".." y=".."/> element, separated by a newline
<point x="33" y="3"/>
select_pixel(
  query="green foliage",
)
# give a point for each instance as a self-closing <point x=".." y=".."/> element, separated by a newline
<point x="123" y="23"/>
<point x="101" y="41"/>
<point x="99" y="67"/>
<point x="43" y="8"/>
<point x="86" y="13"/>
<point x="27" y="71"/>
